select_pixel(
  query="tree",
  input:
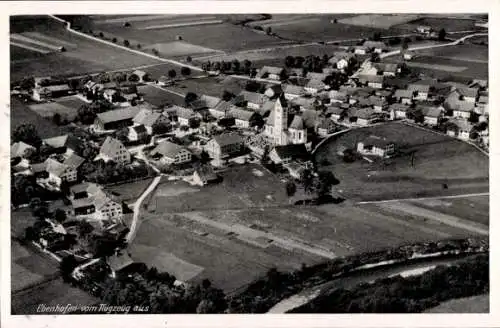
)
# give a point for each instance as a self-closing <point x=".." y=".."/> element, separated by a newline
<point x="56" y="118"/>
<point x="377" y="36"/>
<point x="114" y="40"/>
<point x="186" y="71"/>
<point x="235" y="65"/>
<point x="27" y="133"/>
<point x="66" y="267"/>
<point x="86" y="114"/>
<point x="375" y="58"/>
<point x="269" y="30"/>
<point x="126" y="43"/>
<point x="189" y="59"/>
<point x="27" y="83"/>
<point x="172" y="73"/>
<point x="161" y="127"/>
<point x="442" y="34"/>
<point x="134" y="78"/>
<point x="205" y="306"/>
<point x="307" y="180"/>
<point x="247" y="65"/>
<point x="127" y="24"/>
<point x="227" y="96"/>
<point x="289" y="61"/>
<point x="204" y="157"/>
<point x="404" y="46"/>
<point x="122" y="135"/>
<point x="139" y="46"/>
<point x="101" y="35"/>
<point x="194" y="123"/>
<point x="291" y="188"/>
<point x="60" y="215"/>
<point x="190" y="97"/>
<point x="155" y="52"/>
<point x="326" y="180"/>
<point x="84" y="228"/>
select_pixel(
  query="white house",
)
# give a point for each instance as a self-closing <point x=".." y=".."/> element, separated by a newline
<point x="432" y="115"/>
<point x="463" y="109"/>
<point x="292" y="91"/>
<point x="170" y="153"/>
<point x="113" y="150"/>
<point x="398" y="111"/>
<point x="224" y="146"/>
<point x="314" y="86"/>
<point x="243" y="118"/>
<point x="377" y="146"/>
<point x="419" y="91"/>
<point x="403" y="96"/>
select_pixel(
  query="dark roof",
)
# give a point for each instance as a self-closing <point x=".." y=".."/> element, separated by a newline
<point x="167" y="149"/>
<point x="295" y="151"/>
<point x="227" y="139"/>
<point x="140" y="128"/>
<point x="371" y="78"/>
<point x="119" y="262"/>
<point x="377" y="141"/>
<point x="118" y="115"/>
<point x="241" y="114"/>
<point x="74" y="161"/>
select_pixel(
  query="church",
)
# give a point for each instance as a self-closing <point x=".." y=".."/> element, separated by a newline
<point x="283" y="129"/>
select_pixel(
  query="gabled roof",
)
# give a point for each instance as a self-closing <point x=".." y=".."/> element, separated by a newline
<point x="316" y="76"/>
<point x="374" y="44"/>
<point x="146" y="117"/>
<point x="310" y="118"/>
<point x="464" y="106"/>
<point x="377" y="141"/>
<point x="139" y="129"/>
<point x="402" y="93"/>
<point x="387" y="67"/>
<point x="184" y="112"/>
<point x="167" y="149"/>
<point x="66" y="140"/>
<point x="315" y="84"/>
<point x="376" y="101"/>
<point x="461" y="124"/>
<point x="118" y="115"/>
<point x="325" y="123"/>
<point x="88" y="187"/>
<point x="110" y="145"/>
<point x="418" y="87"/>
<point x="430" y="111"/>
<point x="371" y="78"/>
<point x="241" y="114"/>
<point x="18" y="149"/>
<point x="336" y="110"/>
<point x="338" y="95"/>
<point x="365" y="113"/>
<point x="210" y="101"/>
<point x="483" y="100"/>
<point x="304" y="102"/>
<point x="227" y="139"/>
<point x="119" y="262"/>
<point x="468" y="92"/>
<point x="222" y="106"/>
<point x="253" y="97"/>
<point x="293" y="89"/>
<point x="74" y="161"/>
<point x="399" y="107"/>
<point x="297" y="123"/>
<point x="341" y="55"/>
<point x="54" y="167"/>
<point x="270" y="70"/>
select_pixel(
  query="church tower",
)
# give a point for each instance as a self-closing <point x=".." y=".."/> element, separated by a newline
<point x="280" y="121"/>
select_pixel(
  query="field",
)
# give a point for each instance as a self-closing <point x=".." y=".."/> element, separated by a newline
<point x="66" y="107"/>
<point x="179" y="49"/>
<point x="159" y="97"/>
<point x="86" y="56"/>
<point x="465" y="52"/>
<point x="20" y="113"/>
<point x="473" y="304"/>
<point x="378" y="20"/>
<point x="233" y="232"/>
<point x="129" y="192"/>
<point x="438" y="159"/>
<point x="208" y="86"/>
<point x="437" y="23"/>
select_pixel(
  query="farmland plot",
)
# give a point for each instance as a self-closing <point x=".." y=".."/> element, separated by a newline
<point x="378" y="20"/>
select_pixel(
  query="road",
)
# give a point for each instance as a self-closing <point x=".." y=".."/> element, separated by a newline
<point x="454" y="43"/>
<point x="137" y="208"/>
<point x="362" y="276"/>
<point x="171" y="61"/>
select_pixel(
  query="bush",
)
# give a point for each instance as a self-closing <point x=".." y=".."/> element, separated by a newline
<point x="126" y="43"/>
<point x="114" y="40"/>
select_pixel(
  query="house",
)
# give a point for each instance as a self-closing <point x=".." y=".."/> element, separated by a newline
<point x="325" y="127"/>
<point x="463" y="109"/>
<point x="111" y="95"/>
<point x="185" y="115"/>
<point x="303" y="103"/>
<point x="113" y="150"/>
<point x="287" y="153"/>
<point x="337" y="96"/>
<point x="375" y="46"/>
<point x="316" y="76"/>
<point x="116" y="119"/>
<point x="376" y="146"/>
<point x="361" y="50"/>
<point x="336" y="113"/>
<point x="282" y="128"/>
<point x="340" y="60"/>
<point x="271" y="72"/>
<point x="51" y="91"/>
<point x="407" y="55"/>
<point x="314" y="86"/>
<point x="432" y="114"/>
<point x="204" y="175"/>
<point x="460" y="128"/>
<point x="137" y="133"/>
<point x="254" y="100"/>
<point x="164" y="81"/>
<point x="419" y="91"/>
<point x="273" y="91"/>
<point x="398" y="111"/>
<point x="141" y="75"/>
<point x="224" y="146"/>
<point x="403" y="96"/>
<point x="90" y="201"/>
<point x="388" y="69"/>
<point x="372" y="81"/>
<point x="366" y="116"/>
<point x="118" y="262"/>
<point x="170" y="153"/>
<point x="379" y="104"/>
<point x="148" y="118"/>
<point x="468" y="94"/>
<point x="64" y="144"/>
<point x="424" y="29"/>
<point x="243" y="118"/>
<point x="73" y="162"/>
<point x="52" y="173"/>
<point x="221" y="109"/>
<point x="20" y="149"/>
<point x="292" y="91"/>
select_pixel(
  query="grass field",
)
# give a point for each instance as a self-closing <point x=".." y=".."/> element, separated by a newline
<point x="208" y="86"/>
<point x="159" y="97"/>
<point x="20" y="113"/>
<point x="473" y="304"/>
<point x="129" y="192"/>
<point x="437" y="23"/>
<point x="438" y="159"/>
<point x="378" y="20"/>
<point x="67" y="107"/>
<point x="465" y="52"/>
<point x="180" y="49"/>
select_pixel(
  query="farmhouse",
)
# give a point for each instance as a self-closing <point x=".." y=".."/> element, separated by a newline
<point x="113" y="150"/>
<point x="403" y="96"/>
<point x="432" y="114"/>
<point x="59" y="172"/>
<point x="111" y="95"/>
<point x="337" y="96"/>
<point x="314" y="86"/>
<point x="170" y="153"/>
<point x="254" y="100"/>
<point x="90" y="201"/>
<point x="271" y="72"/>
<point x="185" y="115"/>
<point x="303" y="103"/>
<point x="460" y="128"/>
<point x="74" y="161"/>
<point x="244" y="118"/>
<point x="115" y="119"/>
<point x="149" y="118"/>
<point x="340" y="60"/>
<point x="468" y="94"/>
<point x="224" y="146"/>
<point x="292" y="91"/>
<point x="388" y="69"/>
<point x="283" y="129"/>
<point x="376" y="146"/>
<point x="288" y="153"/>
<point x="20" y="149"/>
<point x="366" y="116"/>
<point x="372" y="81"/>
<point x="65" y="144"/>
<point x="137" y="133"/>
<point x="378" y="103"/>
<point x="361" y="50"/>
<point x="325" y="127"/>
<point x="51" y="91"/>
<point x="463" y="109"/>
<point x="419" y="91"/>
<point x="118" y="262"/>
<point x="316" y="76"/>
<point x="221" y="109"/>
<point x="398" y="111"/>
<point x="375" y="46"/>
<point x="336" y="113"/>
<point x="204" y="175"/>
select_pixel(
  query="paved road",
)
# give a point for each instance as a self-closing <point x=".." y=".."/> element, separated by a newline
<point x="454" y="43"/>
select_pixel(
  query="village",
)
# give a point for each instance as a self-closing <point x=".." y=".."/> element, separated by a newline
<point x="75" y="184"/>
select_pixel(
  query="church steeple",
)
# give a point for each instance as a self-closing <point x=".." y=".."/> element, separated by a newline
<point x="280" y="120"/>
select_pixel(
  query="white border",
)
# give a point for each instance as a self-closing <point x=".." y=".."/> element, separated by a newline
<point x="144" y="7"/>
